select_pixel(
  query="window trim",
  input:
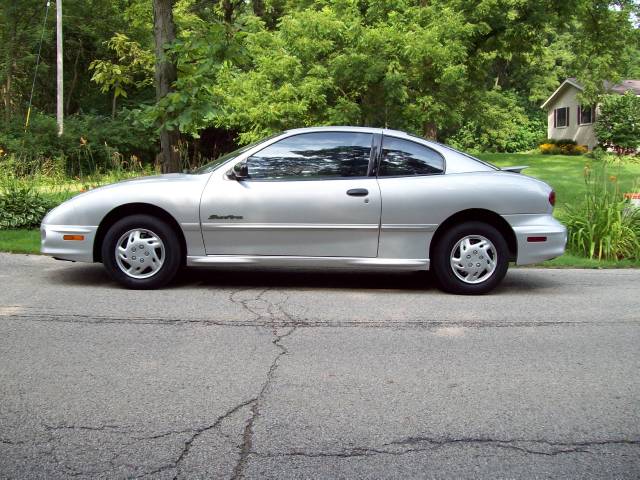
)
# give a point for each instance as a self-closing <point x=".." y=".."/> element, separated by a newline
<point x="592" y="111"/>
<point x="312" y="179"/>
<point x="377" y="173"/>
<point x="555" y="117"/>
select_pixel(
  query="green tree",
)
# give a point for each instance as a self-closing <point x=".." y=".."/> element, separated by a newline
<point x="618" y="122"/>
<point x="133" y="68"/>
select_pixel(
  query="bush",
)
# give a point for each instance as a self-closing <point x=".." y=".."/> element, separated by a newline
<point x="501" y="123"/>
<point x="21" y="206"/>
<point x="618" y="123"/>
<point x="562" y="147"/>
<point x="89" y="144"/>
<point x="605" y="226"/>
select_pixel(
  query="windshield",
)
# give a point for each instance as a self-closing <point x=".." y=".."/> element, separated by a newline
<point x="211" y="166"/>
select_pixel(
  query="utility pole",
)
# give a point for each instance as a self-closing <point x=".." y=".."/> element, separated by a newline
<point x="60" y="86"/>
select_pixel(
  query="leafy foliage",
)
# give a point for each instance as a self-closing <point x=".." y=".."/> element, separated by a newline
<point x="133" y="68"/>
<point x="604" y="226"/>
<point x="468" y="72"/>
<point x="563" y="146"/>
<point x="21" y="206"/>
<point x="90" y="143"/>
<point x="502" y="124"/>
<point x="618" y="123"/>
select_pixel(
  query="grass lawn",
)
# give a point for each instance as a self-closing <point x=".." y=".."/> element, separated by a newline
<point x="573" y="261"/>
<point x="20" y="241"/>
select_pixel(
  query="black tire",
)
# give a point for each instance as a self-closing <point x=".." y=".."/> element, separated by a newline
<point x="442" y="253"/>
<point x="171" y="257"/>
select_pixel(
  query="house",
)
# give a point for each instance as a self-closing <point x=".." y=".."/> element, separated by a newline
<point x="568" y="119"/>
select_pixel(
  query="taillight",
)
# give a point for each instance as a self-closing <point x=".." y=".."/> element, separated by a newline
<point x="552" y="198"/>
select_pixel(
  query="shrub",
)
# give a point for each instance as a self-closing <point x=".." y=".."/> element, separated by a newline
<point x="562" y="147"/>
<point x="580" y="149"/>
<point x="549" y="149"/>
<point x="618" y="123"/>
<point x="604" y="226"/>
<point x="501" y="122"/>
<point x="89" y="144"/>
<point x="21" y="206"/>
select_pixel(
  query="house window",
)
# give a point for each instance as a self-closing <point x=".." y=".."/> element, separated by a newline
<point x="585" y="115"/>
<point x="561" y="117"/>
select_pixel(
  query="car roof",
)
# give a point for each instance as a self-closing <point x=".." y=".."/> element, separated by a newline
<point x="335" y="128"/>
<point x="347" y="128"/>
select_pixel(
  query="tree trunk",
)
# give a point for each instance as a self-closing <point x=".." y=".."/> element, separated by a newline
<point x="74" y="80"/>
<point x="259" y="8"/>
<point x="166" y="74"/>
<point x="227" y="9"/>
<point x="430" y="131"/>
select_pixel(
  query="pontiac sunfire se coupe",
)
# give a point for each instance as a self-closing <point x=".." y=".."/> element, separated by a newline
<point x="318" y="197"/>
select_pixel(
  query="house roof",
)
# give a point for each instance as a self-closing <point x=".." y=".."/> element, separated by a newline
<point x="619" y="88"/>
<point x="624" y="86"/>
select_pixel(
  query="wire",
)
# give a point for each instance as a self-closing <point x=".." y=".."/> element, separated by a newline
<point x="33" y="84"/>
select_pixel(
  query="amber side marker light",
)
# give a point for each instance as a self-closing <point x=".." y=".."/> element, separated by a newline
<point x="73" y="237"/>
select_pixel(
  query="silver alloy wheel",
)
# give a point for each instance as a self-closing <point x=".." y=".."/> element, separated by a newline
<point x="474" y="259"/>
<point x="140" y="253"/>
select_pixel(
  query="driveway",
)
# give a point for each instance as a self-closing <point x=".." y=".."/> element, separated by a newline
<point x="317" y="375"/>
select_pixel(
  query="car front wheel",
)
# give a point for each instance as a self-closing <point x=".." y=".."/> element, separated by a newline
<point x="470" y="258"/>
<point x="141" y="252"/>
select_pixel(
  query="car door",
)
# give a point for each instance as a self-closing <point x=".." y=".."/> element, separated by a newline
<point x="412" y="183"/>
<point x="308" y="194"/>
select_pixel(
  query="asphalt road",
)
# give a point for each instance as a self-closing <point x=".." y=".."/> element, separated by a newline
<point x="317" y="375"/>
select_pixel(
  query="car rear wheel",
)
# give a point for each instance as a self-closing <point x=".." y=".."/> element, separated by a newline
<point x="141" y="252"/>
<point x="470" y="258"/>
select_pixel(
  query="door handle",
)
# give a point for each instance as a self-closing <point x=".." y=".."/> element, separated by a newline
<point x="358" y="192"/>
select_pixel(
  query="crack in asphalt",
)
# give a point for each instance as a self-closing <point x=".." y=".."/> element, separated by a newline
<point x="199" y="431"/>
<point x="262" y="321"/>
<point x="252" y="305"/>
<point x="265" y="312"/>
<point x="433" y="444"/>
<point x="273" y="309"/>
<point x="85" y="427"/>
<point x="247" y="436"/>
<point x="12" y="442"/>
<point x="268" y="314"/>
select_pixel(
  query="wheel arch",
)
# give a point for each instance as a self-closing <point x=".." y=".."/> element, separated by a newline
<point x="479" y="215"/>
<point x="135" y="209"/>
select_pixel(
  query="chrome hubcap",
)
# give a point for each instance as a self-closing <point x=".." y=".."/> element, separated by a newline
<point x="474" y="259"/>
<point x="140" y="253"/>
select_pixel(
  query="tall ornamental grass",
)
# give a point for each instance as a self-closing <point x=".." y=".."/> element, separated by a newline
<point x="605" y="226"/>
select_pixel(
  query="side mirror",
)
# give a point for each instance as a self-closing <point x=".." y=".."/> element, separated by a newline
<point x="240" y="171"/>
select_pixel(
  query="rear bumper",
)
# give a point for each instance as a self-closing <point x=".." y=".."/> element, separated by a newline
<point x="530" y="230"/>
<point x="52" y="242"/>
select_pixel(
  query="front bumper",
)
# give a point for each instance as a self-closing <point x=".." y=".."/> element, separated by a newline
<point x="53" y="243"/>
<point x="530" y="229"/>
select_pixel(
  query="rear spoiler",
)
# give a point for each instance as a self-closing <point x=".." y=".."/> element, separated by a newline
<point x="517" y="169"/>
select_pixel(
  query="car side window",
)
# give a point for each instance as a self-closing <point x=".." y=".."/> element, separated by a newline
<point x="313" y="156"/>
<point x="405" y="158"/>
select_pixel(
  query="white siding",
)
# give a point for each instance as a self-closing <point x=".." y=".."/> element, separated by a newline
<point x="582" y="134"/>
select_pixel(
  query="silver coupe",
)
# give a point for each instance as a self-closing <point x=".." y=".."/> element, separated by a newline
<point x="317" y="197"/>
